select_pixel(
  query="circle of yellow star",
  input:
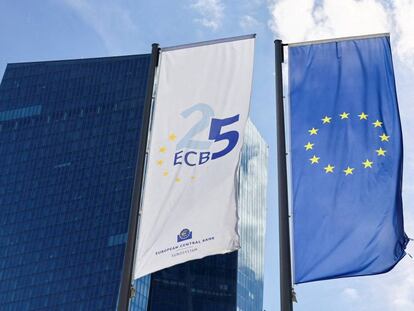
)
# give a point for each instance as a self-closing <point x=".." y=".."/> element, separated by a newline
<point x="384" y="137"/>
<point x="163" y="149"/>
<point x="160" y="162"/>
<point x="329" y="169"/>
<point x="367" y="163"/>
<point x="313" y="131"/>
<point x="377" y="123"/>
<point x="344" y="115"/>
<point x="349" y="171"/>
<point x="326" y="119"/>
<point x="309" y="146"/>
<point x="314" y="159"/>
<point x="172" y="137"/>
<point x="363" y="116"/>
<point x="381" y="152"/>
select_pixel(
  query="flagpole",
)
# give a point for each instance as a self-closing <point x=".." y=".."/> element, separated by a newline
<point x="126" y="281"/>
<point x="284" y="234"/>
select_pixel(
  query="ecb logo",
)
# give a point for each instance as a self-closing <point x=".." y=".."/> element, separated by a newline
<point x="192" y="152"/>
<point x="185" y="234"/>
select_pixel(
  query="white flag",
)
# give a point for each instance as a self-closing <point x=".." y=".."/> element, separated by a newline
<point x="189" y="206"/>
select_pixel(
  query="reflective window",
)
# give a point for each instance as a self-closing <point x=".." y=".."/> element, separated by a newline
<point x="68" y="148"/>
<point x="252" y="200"/>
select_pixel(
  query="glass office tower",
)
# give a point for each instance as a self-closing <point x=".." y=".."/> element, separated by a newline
<point x="69" y="134"/>
<point x="252" y="202"/>
<point x="227" y="282"/>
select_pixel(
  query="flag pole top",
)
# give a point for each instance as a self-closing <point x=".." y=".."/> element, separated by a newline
<point x="371" y="36"/>
<point x="209" y="42"/>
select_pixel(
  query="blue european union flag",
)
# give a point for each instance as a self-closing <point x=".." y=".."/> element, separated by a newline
<point x="347" y="159"/>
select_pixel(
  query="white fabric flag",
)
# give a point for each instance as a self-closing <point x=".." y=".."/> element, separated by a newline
<point x="189" y="206"/>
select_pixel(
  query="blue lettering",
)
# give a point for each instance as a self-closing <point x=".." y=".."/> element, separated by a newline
<point x="177" y="157"/>
<point x="190" y="158"/>
<point x="186" y="158"/>
<point x="231" y="136"/>
<point x="204" y="157"/>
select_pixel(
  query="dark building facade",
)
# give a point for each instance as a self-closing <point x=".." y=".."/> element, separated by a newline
<point x="69" y="133"/>
<point x="206" y="284"/>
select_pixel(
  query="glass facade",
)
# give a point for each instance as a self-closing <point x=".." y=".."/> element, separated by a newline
<point x="69" y="134"/>
<point x="227" y="282"/>
<point x="252" y="200"/>
<point x="140" y="300"/>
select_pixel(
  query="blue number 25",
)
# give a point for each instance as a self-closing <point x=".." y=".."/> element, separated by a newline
<point x="216" y="135"/>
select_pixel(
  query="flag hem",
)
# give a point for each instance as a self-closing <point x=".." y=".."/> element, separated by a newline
<point x="388" y="269"/>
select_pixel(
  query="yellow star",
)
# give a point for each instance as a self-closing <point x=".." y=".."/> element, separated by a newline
<point x="314" y="159"/>
<point x="193" y="177"/>
<point x="309" y="146"/>
<point x="326" y="119"/>
<point x="384" y="137"/>
<point x="381" y="152"/>
<point x="165" y="173"/>
<point x="177" y="179"/>
<point x="329" y="169"/>
<point x="348" y="171"/>
<point x="377" y="123"/>
<point x="367" y="163"/>
<point x="363" y="116"/>
<point x="344" y="115"/>
<point x="160" y="162"/>
<point x="313" y="131"/>
<point x="172" y="137"/>
<point x="163" y="149"/>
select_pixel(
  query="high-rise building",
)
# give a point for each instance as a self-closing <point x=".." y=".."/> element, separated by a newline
<point x="252" y="202"/>
<point x="69" y="135"/>
<point x="223" y="282"/>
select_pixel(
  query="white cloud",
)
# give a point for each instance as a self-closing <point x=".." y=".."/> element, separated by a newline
<point x="292" y="20"/>
<point x="350" y="293"/>
<point x="310" y="20"/>
<point x="396" y="288"/>
<point x="211" y="11"/>
<point x="307" y="20"/>
<point x="112" y="23"/>
<point x="404" y="21"/>
<point x="248" y="22"/>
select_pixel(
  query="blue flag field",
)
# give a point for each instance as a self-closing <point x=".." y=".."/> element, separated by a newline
<point x="347" y="159"/>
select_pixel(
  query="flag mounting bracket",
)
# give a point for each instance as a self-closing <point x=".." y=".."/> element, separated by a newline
<point x="132" y="291"/>
<point x="294" y="297"/>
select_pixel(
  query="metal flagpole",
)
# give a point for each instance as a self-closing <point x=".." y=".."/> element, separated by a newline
<point x="126" y="281"/>
<point x="286" y="297"/>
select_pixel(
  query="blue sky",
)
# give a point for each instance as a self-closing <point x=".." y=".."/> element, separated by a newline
<point x="60" y="29"/>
